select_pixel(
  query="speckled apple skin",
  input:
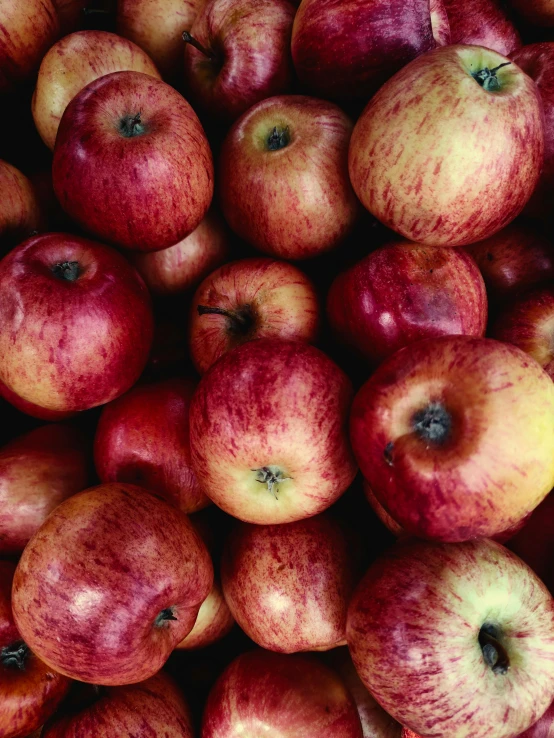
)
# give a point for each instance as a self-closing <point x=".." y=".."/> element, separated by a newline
<point x="487" y="25"/>
<point x="213" y="623"/>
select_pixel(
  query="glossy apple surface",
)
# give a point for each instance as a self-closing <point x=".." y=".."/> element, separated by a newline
<point x="142" y="438"/>
<point x="493" y="674"/>
<point x="250" y="298"/>
<point x="430" y="120"/>
<point x="445" y="442"/>
<point x="132" y="163"/>
<point x="268" y="432"/>
<point x="288" y="586"/>
<point x="71" y="64"/>
<point x="283" y="177"/>
<point x="213" y="623"/>
<point x="29" y="408"/>
<point x="20" y="210"/>
<point x="75" y="323"/>
<point x="482" y="23"/>
<point x="290" y="696"/>
<point x="535" y="544"/>
<point x="110" y="584"/>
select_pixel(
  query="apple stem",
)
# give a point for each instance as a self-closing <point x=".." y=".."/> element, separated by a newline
<point x="15" y="655"/>
<point x="487" y="77"/>
<point x="197" y="45"/>
<point x="494" y="653"/>
<point x="131" y="125"/>
<point x="68" y="270"/>
<point x="278" y="139"/>
<point x="433" y="423"/>
<point x="272" y="476"/>
<point x="241" y="320"/>
<point x="164" y="616"/>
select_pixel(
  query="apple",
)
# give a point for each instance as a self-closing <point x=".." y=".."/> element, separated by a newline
<point x="440" y="24"/>
<point x="29" y="690"/>
<point x="347" y="50"/>
<point x="110" y="584"/>
<point x="539" y="12"/>
<point x="445" y="442"/>
<point x="482" y="23"/>
<point x="184" y="265"/>
<point x="432" y="119"/>
<point x="29" y="408"/>
<point x="238" y="54"/>
<point x="535" y="544"/>
<point x="37" y="472"/>
<point x="543" y="728"/>
<point x="403" y="292"/>
<point x="154" y="707"/>
<point x="20" y="211"/>
<point x="75" y="323"/>
<point x="288" y="586"/>
<point x="71" y="14"/>
<point x="28" y="30"/>
<point x="283" y="177"/>
<point x="74" y="62"/>
<point x="213" y="623"/>
<point x="142" y="438"/>
<point x="268" y="432"/>
<point x="132" y="163"/>
<point x="454" y="639"/>
<point x="250" y="298"/>
<point x="284" y="695"/>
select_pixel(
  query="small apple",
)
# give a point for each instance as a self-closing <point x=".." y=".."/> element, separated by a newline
<point x="20" y="211"/>
<point x="213" y="623"/>
<point x="132" y="163"/>
<point x="535" y="544"/>
<point x="250" y="298"/>
<point x="268" y="432"/>
<point x="110" y="584"/>
<point x="482" y="23"/>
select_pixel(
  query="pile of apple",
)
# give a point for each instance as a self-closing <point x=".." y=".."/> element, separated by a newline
<point x="276" y="369"/>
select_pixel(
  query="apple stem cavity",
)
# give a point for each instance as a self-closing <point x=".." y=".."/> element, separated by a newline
<point x="240" y="322"/>
<point x="494" y="653"/>
<point x="164" y="616"/>
<point x="272" y="476"/>
<point x="68" y="270"/>
<point x="278" y="139"/>
<point x="131" y="126"/>
<point x="15" y="655"/>
<point x="433" y="423"/>
<point x="487" y="78"/>
<point x="197" y="45"/>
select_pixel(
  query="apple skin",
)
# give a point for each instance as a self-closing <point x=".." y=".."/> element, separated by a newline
<point x="538" y="12"/>
<point x="288" y="586"/>
<point x="297" y="201"/>
<point x="268" y="432"/>
<point x="146" y="191"/>
<point x="493" y="463"/>
<point x="264" y="298"/>
<point x="482" y="23"/>
<point x="154" y="707"/>
<point x="31" y="692"/>
<point x="250" y="44"/>
<point x="543" y="728"/>
<point x="142" y="438"/>
<point x="349" y="50"/>
<point x="403" y="292"/>
<point x="35" y="411"/>
<point x="418" y="591"/>
<point x="28" y="30"/>
<point x="74" y="62"/>
<point x="213" y="623"/>
<point x="37" y="472"/>
<point x="290" y="695"/>
<point x="20" y="210"/>
<point x="84" y="341"/>
<point x="435" y="110"/>
<point x="184" y="265"/>
<point x="110" y="584"/>
<point x="535" y="544"/>
<point x="440" y="23"/>
<point x="512" y="261"/>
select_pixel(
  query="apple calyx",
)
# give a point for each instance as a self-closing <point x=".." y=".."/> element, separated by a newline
<point x="433" y="423"/>
<point x="68" y="270"/>
<point x="494" y="653"/>
<point x="487" y="77"/>
<point x="15" y="655"/>
<point x="278" y="139"/>
<point x="187" y="38"/>
<point x="272" y="476"/>
<point x="163" y="617"/>
<point x="131" y="126"/>
<point x="240" y="322"/>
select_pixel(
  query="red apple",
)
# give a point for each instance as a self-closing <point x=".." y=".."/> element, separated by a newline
<point x="29" y="690"/>
<point x="250" y="298"/>
<point x="213" y="623"/>
<point x="539" y="12"/>
<point x="432" y="119"/>
<point x="180" y="267"/>
<point x="482" y="23"/>
<point x="348" y="50"/>
<point x="71" y="14"/>
<point x="37" y="472"/>
<point x="543" y="728"/>
<point x="535" y="544"/>
<point x="288" y="586"/>
<point x="238" y="54"/>
<point x="154" y="707"/>
<point x="119" y="575"/>
<point x="142" y="438"/>
<point x="454" y="639"/>
<point x="28" y="30"/>
<point x="446" y="443"/>
<point x="29" y="408"/>
<point x="404" y="292"/>
<point x="268" y="432"/>
<point x="440" y="23"/>
<point x="74" y="62"/>
<point x="132" y="163"/>
<point x="75" y="323"/>
<point x="283" y="177"/>
<point x="288" y="696"/>
<point x="20" y="210"/>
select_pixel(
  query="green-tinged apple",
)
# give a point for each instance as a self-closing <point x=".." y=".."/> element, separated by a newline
<point x="268" y="431"/>
<point x="71" y="64"/>
<point x="449" y="150"/>
<point x="75" y="323"/>
<point x="213" y="623"/>
<point x="29" y="408"/>
<point x="283" y="177"/>
<point x="482" y="23"/>
<point x="454" y="640"/>
<point x="20" y="210"/>
<point x="132" y="163"/>
<point x="250" y="298"/>
<point x="445" y="442"/>
<point x="110" y="584"/>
